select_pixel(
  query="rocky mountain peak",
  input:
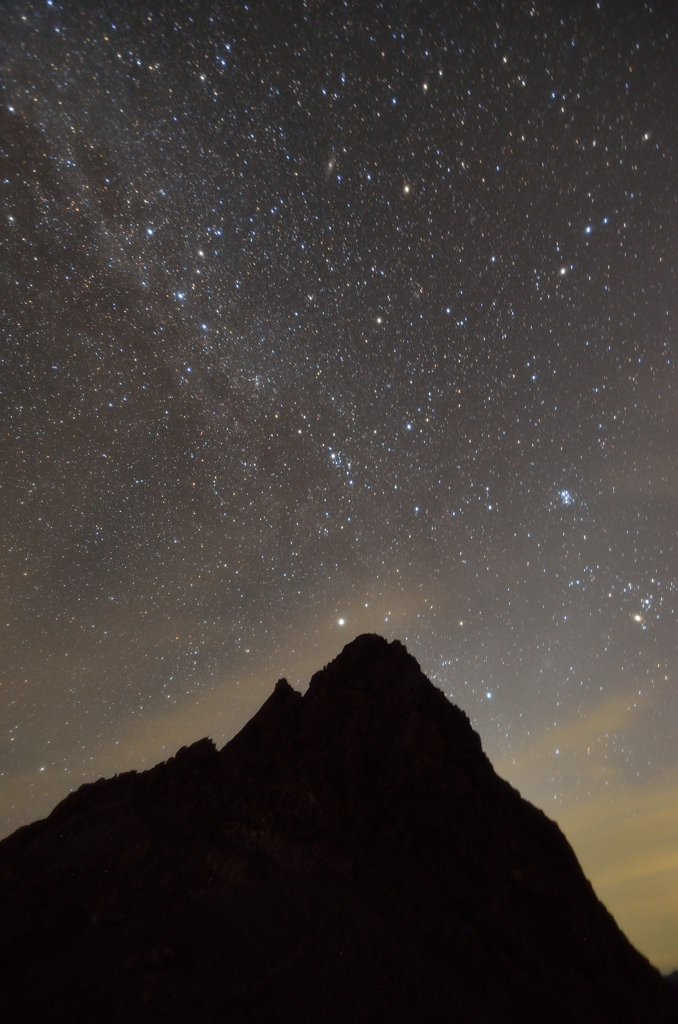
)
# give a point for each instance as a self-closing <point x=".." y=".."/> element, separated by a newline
<point x="349" y="855"/>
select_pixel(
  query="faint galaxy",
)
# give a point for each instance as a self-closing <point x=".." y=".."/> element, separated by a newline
<point x="319" y="319"/>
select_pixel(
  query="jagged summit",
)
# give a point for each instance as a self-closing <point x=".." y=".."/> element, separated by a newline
<point x="350" y="855"/>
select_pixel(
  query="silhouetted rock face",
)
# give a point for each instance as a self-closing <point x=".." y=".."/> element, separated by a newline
<point x="350" y="856"/>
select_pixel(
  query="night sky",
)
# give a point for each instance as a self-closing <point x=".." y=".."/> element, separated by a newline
<point x="326" y="318"/>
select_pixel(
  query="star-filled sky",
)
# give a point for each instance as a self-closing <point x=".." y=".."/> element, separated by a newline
<point x="325" y="318"/>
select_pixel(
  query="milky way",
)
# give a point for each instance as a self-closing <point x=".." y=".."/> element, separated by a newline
<point x="319" y="320"/>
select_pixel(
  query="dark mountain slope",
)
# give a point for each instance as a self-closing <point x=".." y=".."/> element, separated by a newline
<point x="349" y="856"/>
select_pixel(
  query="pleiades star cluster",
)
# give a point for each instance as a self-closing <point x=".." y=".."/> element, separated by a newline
<point x="325" y="318"/>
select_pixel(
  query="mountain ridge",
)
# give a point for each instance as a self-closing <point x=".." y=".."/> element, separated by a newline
<point x="350" y="854"/>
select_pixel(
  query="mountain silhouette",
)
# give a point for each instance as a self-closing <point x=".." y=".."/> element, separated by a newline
<point x="350" y="856"/>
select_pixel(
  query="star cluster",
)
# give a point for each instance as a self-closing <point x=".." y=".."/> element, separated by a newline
<point x="317" y="320"/>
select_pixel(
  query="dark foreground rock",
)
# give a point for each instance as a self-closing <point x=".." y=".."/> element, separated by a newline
<point x="350" y="856"/>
